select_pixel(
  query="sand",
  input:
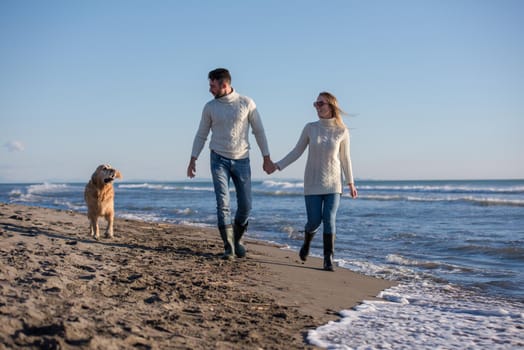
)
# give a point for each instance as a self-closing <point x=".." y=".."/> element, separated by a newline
<point x="157" y="286"/>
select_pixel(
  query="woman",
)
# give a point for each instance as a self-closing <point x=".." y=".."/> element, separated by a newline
<point x="328" y="158"/>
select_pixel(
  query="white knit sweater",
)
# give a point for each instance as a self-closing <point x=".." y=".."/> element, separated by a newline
<point x="328" y="157"/>
<point x="229" y="118"/>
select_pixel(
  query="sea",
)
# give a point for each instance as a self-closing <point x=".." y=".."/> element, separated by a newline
<point x="455" y="249"/>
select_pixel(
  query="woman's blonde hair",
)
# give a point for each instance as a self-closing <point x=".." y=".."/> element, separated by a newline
<point x="336" y="111"/>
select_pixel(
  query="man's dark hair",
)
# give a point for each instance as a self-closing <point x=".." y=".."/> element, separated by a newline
<point x="221" y="75"/>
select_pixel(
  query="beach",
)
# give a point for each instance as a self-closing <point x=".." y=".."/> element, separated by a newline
<point x="158" y="286"/>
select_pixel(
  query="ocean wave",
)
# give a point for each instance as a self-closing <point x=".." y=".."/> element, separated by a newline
<point x="446" y="298"/>
<point x="293" y="233"/>
<point x="444" y="189"/>
<point x="164" y="187"/>
<point x="283" y="184"/>
<point x="16" y="193"/>
<point x="33" y="193"/>
<point x="494" y="201"/>
<point x="279" y="188"/>
<point x="186" y="211"/>
<point x="482" y="201"/>
<point x="141" y="217"/>
<point x="501" y="285"/>
<point x="147" y="186"/>
<point x="512" y="252"/>
<point x="390" y="272"/>
<point x="406" y="318"/>
<point x="478" y="195"/>
<point x="425" y="264"/>
<point x="47" y="187"/>
<point x="279" y="193"/>
<point x="197" y="188"/>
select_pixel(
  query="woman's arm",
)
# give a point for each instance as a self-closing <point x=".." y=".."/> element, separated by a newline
<point x="297" y="151"/>
<point x="345" y="159"/>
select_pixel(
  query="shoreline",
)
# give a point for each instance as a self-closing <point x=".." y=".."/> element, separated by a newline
<point x="158" y="285"/>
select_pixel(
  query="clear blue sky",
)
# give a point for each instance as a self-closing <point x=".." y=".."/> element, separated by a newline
<point x="435" y="89"/>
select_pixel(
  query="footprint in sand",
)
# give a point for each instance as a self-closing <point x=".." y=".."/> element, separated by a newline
<point x="52" y="290"/>
<point x="87" y="277"/>
<point x="87" y="269"/>
<point x="152" y="299"/>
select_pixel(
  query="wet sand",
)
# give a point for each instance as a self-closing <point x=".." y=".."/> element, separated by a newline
<point x="157" y="286"/>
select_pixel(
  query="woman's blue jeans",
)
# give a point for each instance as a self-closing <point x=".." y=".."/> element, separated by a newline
<point x="223" y="170"/>
<point x="322" y="208"/>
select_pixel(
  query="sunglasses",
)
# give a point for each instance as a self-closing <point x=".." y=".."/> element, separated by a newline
<point x="319" y="104"/>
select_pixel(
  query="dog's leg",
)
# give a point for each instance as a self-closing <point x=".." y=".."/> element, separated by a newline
<point x="93" y="227"/>
<point x="109" y="230"/>
<point x="97" y="229"/>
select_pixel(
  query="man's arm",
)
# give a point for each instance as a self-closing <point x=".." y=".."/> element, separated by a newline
<point x="191" y="168"/>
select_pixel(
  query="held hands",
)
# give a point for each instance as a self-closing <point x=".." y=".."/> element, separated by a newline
<point x="269" y="167"/>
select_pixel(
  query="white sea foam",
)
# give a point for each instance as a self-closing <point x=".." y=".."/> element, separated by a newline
<point x="69" y="205"/>
<point x="34" y="192"/>
<point x="46" y="188"/>
<point x="191" y="223"/>
<point x="277" y="187"/>
<point x="141" y="217"/>
<point x="15" y="192"/>
<point x="283" y="184"/>
<point x="147" y="186"/>
<point x="164" y="187"/>
<point x="157" y="218"/>
<point x="293" y="233"/>
<point x="425" y="316"/>
<point x="389" y="272"/>
<point x="196" y="188"/>
<point x="186" y="211"/>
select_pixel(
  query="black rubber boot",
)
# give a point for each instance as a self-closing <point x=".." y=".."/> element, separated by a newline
<point x="229" y="242"/>
<point x="304" y="251"/>
<point x="329" y="247"/>
<point x="239" y="231"/>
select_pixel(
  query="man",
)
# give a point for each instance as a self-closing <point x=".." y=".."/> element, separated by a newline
<point x="228" y="116"/>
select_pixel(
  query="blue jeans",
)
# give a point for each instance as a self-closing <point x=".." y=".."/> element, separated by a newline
<point x="322" y="208"/>
<point x="223" y="170"/>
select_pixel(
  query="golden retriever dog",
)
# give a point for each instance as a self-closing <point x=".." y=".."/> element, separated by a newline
<point x="100" y="198"/>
